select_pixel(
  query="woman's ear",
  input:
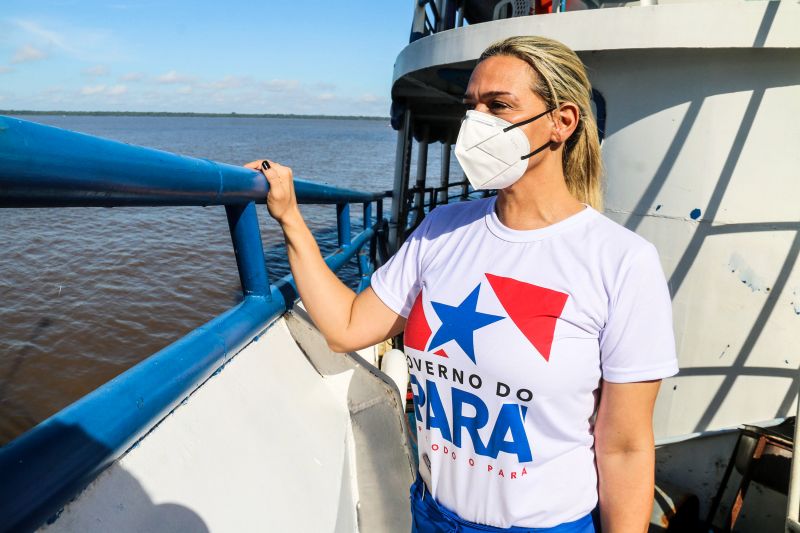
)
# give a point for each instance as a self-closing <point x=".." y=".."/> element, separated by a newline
<point x="565" y="120"/>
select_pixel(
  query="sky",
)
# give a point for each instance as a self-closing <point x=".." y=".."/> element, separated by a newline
<point x="268" y="56"/>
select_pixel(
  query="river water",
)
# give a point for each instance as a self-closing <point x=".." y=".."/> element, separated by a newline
<point x="86" y="293"/>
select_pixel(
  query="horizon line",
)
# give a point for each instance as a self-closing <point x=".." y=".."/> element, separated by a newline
<point x="189" y="114"/>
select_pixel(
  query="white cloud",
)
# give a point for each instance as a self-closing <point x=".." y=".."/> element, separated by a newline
<point x="280" y="85"/>
<point x="173" y="77"/>
<point x="172" y="90"/>
<point x="104" y="90"/>
<point x="90" y="90"/>
<point x="48" y="36"/>
<point x="324" y="86"/>
<point x="369" y="98"/>
<point x="117" y="90"/>
<point x="228" y="82"/>
<point x="95" y="71"/>
<point x="80" y="42"/>
<point x="27" y="53"/>
<point x="131" y="76"/>
<point x="4" y="69"/>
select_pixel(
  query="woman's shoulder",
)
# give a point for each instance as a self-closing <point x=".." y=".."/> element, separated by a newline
<point x="616" y="242"/>
<point x="444" y="218"/>
<point x="465" y="208"/>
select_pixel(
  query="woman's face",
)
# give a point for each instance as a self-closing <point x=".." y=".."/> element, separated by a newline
<point x="501" y="86"/>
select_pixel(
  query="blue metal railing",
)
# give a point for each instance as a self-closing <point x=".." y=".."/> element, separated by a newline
<point x="42" y="166"/>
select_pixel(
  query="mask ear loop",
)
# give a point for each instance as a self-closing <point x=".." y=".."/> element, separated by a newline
<point x="524" y="157"/>
<point x="528" y="121"/>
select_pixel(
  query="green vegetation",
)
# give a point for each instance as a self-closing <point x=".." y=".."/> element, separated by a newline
<point x="20" y="112"/>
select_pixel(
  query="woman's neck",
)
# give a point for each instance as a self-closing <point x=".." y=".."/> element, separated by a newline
<point x="538" y="199"/>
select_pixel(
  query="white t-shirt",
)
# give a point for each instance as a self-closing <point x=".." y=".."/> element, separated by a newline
<point x="507" y="337"/>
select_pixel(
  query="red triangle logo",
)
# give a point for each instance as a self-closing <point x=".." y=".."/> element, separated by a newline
<point x="417" y="332"/>
<point x="533" y="309"/>
<point x="441" y="352"/>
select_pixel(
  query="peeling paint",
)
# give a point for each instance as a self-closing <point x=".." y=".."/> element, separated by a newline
<point x="52" y="519"/>
<point x="724" y="350"/>
<point x="746" y="274"/>
<point x="795" y="303"/>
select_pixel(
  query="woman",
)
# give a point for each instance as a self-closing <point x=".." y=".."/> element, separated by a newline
<point x="537" y="330"/>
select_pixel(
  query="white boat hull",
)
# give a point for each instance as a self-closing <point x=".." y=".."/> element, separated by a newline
<point x="287" y="436"/>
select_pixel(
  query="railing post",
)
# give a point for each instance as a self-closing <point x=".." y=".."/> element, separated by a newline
<point x="448" y="11"/>
<point x="445" y="179"/>
<point x="398" y="220"/>
<point x="422" y="171"/>
<point x="418" y="22"/>
<point x="343" y="224"/>
<point x="380" y="234"/>
<point x="365" y="264"/>
<point x="367" y="215"/>
<point x="246" y="237"/>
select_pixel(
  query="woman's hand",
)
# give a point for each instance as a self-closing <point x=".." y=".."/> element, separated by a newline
<point x="281" y="199"/>
<point x="347" y="321"/>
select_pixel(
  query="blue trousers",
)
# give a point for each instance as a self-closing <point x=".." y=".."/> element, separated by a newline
<point x="427" y="516"/>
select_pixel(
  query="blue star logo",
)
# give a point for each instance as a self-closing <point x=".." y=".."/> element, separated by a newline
<point x="459" y="323"/>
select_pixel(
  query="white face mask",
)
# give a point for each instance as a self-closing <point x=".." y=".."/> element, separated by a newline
<point x="492" y="151"/>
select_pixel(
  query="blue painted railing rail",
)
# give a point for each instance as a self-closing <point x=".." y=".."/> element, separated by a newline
<point x="42" y="166"/>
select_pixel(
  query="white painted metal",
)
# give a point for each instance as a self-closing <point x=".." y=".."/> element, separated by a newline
<point x="267" y="444"/>
<point x="725" y="25"/>
<point x="370" y="355"/>
<point x="705" y="141"/>
<point x="394" y="365"/>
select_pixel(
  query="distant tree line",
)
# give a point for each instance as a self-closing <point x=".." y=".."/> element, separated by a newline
<point x="169" y="114"/>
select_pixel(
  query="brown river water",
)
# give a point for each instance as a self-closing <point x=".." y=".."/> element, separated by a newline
<point x="86" y="293"/>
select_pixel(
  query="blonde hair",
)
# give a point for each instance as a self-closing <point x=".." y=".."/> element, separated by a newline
<point x="562" y="78"/>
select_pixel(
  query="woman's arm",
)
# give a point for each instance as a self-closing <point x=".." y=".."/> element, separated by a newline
<point x="348" y="321"/>
<point x="625" y="452"/>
